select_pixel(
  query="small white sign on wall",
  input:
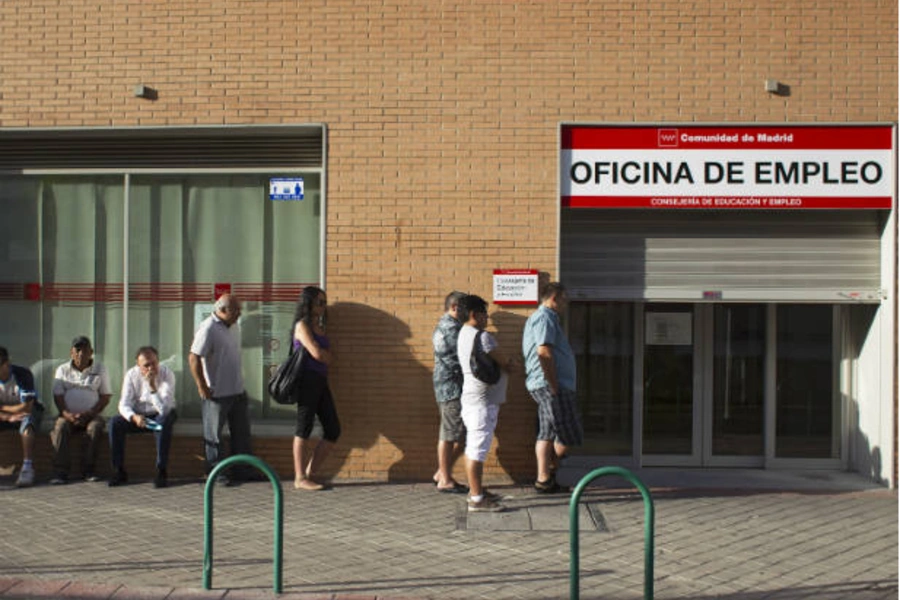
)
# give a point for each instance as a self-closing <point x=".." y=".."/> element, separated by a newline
<point x="515" y="286"/>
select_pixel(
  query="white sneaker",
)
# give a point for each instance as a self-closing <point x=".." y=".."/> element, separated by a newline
<point x="486" y="505"/>
<point x="26" y="477"/>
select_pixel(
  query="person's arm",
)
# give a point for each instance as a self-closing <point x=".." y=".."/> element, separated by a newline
<point x="97" y="409"/>
<point x="59" y="398"/>
<point x="505" y="361"/>
<point x="104" y="393"/>
<point x="15" y="412"/>
<point x="304" y="335"/>
<point x="163" y="391"/>
<point x="127" y="399"/>
<point x="548" y="366"/>
<point x="196" y="365"/>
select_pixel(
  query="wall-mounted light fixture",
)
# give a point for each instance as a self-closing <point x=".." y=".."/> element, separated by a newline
<point x="146" y="92"/>
<point x="775" y="87"/>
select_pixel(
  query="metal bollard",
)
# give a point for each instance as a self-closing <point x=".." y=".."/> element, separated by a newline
<point x="648" y="528"/>
<point x="208" y="517"/>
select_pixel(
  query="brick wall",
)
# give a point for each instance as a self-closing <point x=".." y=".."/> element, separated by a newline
<point x="442" y="121"/>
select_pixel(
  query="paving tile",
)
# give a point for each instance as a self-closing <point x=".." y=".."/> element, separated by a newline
<point x="82" y="589"/>
<point x="36" y="588"/>
<point x="7" y="582"/>
<point x="142" y="593"/>
<point x="196" y="594"/>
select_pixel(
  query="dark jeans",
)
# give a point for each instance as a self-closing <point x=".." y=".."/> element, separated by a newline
<point x="119" y="427"/>
<point x="216" y="412"/>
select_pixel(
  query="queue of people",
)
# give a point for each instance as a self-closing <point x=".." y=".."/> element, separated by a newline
<point x="469" y="403"/>
<point x="469" y="406"/>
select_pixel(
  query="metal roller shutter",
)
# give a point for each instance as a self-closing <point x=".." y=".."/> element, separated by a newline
<point x="811" y="256"/>
<point x="162" y="148"/>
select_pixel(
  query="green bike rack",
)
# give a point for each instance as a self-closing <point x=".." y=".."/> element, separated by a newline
<point x="208" y="517"/>
<point x="648" y="527"/>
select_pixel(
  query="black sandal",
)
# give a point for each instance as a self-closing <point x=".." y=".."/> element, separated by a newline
<point x="457" y="488"/>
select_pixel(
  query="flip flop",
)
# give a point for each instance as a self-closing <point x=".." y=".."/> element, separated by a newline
<point x="457" y="488"/>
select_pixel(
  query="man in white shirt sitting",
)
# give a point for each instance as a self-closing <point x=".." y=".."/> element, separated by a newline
<point x="81" y="390"/>
<point x="147" y="404"/>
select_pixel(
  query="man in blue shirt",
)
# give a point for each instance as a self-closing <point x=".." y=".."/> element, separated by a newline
<point x="550" y="379"/>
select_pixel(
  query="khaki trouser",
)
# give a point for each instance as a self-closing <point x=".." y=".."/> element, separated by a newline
<point x="90" y="444"/>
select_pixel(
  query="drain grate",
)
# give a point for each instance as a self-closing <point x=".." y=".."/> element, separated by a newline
<point x="524" y="516"/>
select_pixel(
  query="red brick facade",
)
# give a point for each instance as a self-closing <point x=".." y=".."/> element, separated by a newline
<point x="442" y="138"/>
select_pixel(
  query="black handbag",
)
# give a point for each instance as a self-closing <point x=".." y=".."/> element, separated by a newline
<point x="484" y="367"/>
<point x="287" y="376"/>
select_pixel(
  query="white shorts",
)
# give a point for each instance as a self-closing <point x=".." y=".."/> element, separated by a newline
<point x="480" y="420"/>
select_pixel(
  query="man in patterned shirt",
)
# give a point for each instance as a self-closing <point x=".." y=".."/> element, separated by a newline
<point x="448" y="379"/>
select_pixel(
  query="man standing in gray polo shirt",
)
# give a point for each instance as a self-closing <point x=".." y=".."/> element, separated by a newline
<point x="215" y="362"/>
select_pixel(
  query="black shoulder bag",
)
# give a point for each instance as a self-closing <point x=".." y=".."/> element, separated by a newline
<point x="484" y="367"/>
<point x="287" y="375"/>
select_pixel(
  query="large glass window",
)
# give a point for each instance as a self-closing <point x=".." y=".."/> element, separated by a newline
<point x="806" y="426"/>
<point x="602" y="337"/>
<point x="186" y="235"/>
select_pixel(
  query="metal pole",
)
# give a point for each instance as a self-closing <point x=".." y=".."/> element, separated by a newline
<point x="649" y="516"/>
<point x="278" y="524"/>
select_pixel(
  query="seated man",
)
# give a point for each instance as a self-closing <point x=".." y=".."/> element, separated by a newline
<point x="19" y="409"/>
<point x="147" y="404"/>
<point x="81" y="391"/>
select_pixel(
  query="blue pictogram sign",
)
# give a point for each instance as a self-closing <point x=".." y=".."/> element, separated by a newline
<point x="286" y="188"/>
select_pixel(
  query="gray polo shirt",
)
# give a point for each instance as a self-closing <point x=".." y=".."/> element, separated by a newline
<point x="219" y="348"/>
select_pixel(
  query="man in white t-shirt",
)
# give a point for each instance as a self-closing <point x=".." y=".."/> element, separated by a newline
<point x="81" y="390"/>
<point x="480" y="401"/>
<point x="215" y="363"/>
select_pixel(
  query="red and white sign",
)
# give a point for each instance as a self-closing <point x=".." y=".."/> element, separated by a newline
<point x="515" y="286"/>
<point x="717" y="167"/>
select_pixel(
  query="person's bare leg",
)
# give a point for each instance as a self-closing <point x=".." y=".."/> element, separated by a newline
<point x="543" y="451"/>
<point x="303" y="452"/>
<point x="323" y="449"/>
<point x="447" y="454"/>
<point x="474" y="471"/>
<point x="27" y="443"/>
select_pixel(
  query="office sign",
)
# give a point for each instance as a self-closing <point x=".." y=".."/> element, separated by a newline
<point x="516" y="286"/>
<point x="727" y="166"/>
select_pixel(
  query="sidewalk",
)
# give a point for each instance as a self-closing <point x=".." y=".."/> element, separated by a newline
<point x="738" y="535"/>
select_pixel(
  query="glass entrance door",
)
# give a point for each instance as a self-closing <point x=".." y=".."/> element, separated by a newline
<point x="735" y="420"/>
<point x="669" y="424"/>
<point x="704" y="384"/>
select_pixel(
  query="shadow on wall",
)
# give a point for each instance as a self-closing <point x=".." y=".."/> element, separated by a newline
<point x="864" y="457"/>
<point x="389" y="395"/>
<point x="517" y="423"/>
